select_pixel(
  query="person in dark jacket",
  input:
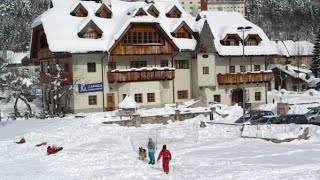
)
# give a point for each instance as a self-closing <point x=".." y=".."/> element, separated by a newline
<point x="166" y="158"/>
<point x="151" y="151"/>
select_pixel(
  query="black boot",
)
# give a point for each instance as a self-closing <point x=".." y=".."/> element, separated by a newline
<point x="152" y="162"/>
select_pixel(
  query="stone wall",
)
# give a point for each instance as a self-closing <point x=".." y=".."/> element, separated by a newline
<point x="137" y="120"/>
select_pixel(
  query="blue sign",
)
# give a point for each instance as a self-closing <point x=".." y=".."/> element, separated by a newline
<point x="85" y="88"/>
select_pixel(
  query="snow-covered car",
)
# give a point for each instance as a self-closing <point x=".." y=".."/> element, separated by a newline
<point x="313" y="115"/>
<point x="253" y="115"/>
<point x="293" y="119"/>
<point x="271" y="119"/>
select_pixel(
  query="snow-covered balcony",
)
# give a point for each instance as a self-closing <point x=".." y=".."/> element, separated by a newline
<point x="249" y="77"/>
<point x="141" y="74"/>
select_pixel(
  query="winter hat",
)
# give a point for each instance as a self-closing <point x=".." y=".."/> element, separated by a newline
<point x="164" y="147"/>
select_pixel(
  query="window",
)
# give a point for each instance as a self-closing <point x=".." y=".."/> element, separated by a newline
<point x="183" y="94"/>
<point x="66" y="67"/>
<point x="91" y="67"/>
<point x="256" y="67"/>
<point x="242" y="68"/>
<point x="138" y="64"/>
<point x="232" y="69"/>
<point x="217" y="98"/>
<point x="92" y="100"/>
<point x="181" y="64"/>
<point x="252" y="43"/>
<point x="138" y="98"/>
<point x="164" y="63"/>
<point x="151" y="97"/>
<point x="205" y="70"/>
<point x="139" y="38"/>
<point x="112" y="65"/>
<point x="124" y="96"/>
<point x="257" y="96"/>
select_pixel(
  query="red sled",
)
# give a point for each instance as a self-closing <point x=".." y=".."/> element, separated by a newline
<point x="53" y="150"/>
<point x="41" y="144"/>
<point x="22" y="140"/>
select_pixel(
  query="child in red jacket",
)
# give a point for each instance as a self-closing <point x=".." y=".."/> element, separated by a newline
<point x="166" y="157"/>
<point x="53" y="149"/>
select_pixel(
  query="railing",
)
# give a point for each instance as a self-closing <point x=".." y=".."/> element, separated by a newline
<point x="143" y="75"/>
<point x="249" y="77"/>
<point x="65" y="79"/>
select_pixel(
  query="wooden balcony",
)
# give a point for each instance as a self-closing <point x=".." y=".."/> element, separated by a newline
<point x="249" y="77"/>
<point x="66" y="78"/>
<point x="140" y="75"/>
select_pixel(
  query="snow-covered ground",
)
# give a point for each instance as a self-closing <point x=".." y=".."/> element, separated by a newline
<point x="93" y="150"/>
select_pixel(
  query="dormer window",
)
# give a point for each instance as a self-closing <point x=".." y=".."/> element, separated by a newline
<point x="183" y="31"/>
<point x="252" y="40"/>
<point x="153" y="11"/>
<point x="140" y="12"/>
<point x="174" y="13"/>
<point x="104" y="12"/>
<point x="79" y="11"/>
<point x="231" y="40"/>
<point x="90" y="31"/>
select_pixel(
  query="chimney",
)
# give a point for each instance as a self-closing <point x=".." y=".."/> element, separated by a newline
<point x="204" y="5"/>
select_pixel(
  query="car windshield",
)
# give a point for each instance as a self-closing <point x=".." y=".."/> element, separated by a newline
<point x="313" y="111"/>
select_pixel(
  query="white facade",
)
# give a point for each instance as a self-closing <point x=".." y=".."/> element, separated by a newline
<point x="227" y="5"/>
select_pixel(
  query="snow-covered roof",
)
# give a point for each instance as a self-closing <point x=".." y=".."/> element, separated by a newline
<point x="294" y="48"/>
<point x="13" y="57"/>
<point x="224" y="23"/>
<point x="294" y="71"/>
<point x="62" y="29"/>
<point x="128" y="103"/>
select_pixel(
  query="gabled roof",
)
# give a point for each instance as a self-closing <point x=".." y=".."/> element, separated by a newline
<point x="77" y="8"/>
<point x="232" y="35"/>
<point x="151" y="9"/>
<point x="90" y="24"/>
<point x="223" y="23"/>
<point x="173" y="8"/>
<point x="254" y="36"/>
<point x="104" y="6"/>
<point x="140" y="12"/>
<point x="61" y="28"/>
<point x="185" y="25"/>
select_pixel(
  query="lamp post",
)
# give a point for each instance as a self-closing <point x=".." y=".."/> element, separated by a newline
<point x="243" y="29"/>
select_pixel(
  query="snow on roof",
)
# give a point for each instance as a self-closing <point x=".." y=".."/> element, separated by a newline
<point x="128" y="103"/>
<point x="296" y="48"/>
<point x="281" y="48"/>
<point x="62" y="29"/>
<point x="294" y="71"/>
<point x="13" y="57"/>
<point x="223" y="23"/>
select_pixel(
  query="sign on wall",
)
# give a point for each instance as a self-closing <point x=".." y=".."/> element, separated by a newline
<point x="85" y="88"/>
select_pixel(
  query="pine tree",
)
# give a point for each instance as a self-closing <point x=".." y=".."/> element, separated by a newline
<point x="315" y="66"/>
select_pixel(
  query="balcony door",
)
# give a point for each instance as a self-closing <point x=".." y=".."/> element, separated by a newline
<point x="110" y="102"/>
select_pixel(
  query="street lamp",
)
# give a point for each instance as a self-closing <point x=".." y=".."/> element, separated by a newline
<point x="243" y="29"/>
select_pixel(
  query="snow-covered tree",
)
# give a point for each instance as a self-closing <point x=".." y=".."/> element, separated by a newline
<point x="315" y="66"/>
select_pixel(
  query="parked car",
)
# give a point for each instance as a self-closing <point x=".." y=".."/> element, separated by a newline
<point x="271" y="119"/>
<point x="253" y="116"/>
<point x="293" y="118"/>
<point x="313" y="115"/>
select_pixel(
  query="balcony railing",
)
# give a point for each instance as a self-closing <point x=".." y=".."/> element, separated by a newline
<point x="65" y="79"/>
<point x="140" y="75"/>
<point x="249" y="77"/>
